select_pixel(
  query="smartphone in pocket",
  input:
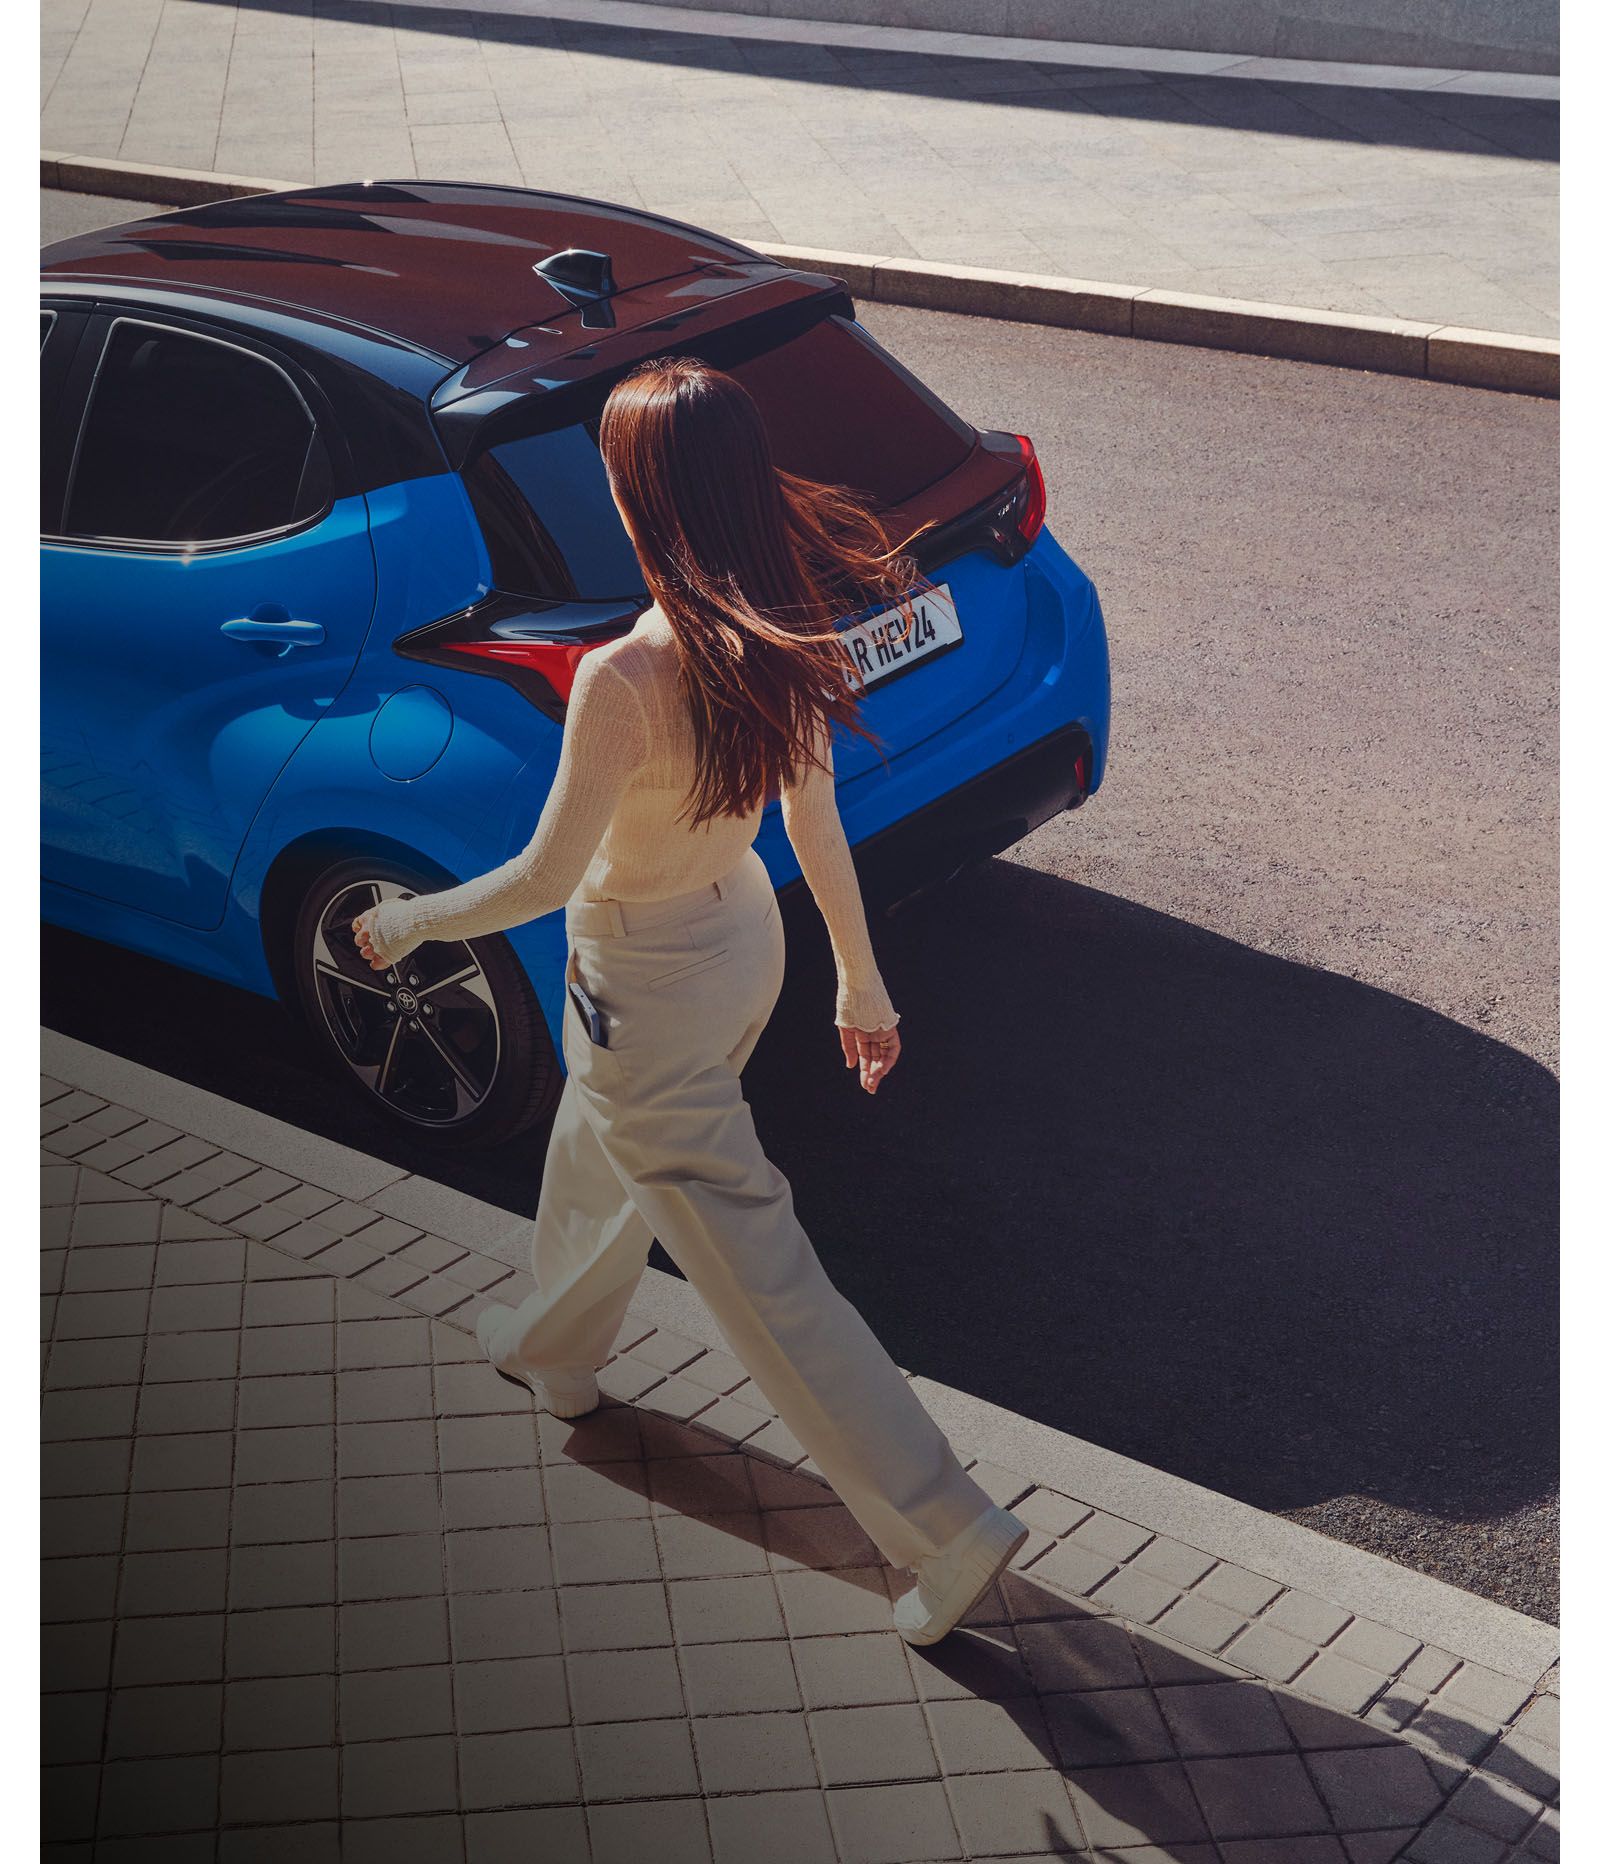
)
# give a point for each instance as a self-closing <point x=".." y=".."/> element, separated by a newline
<point x="590" y="1014"/>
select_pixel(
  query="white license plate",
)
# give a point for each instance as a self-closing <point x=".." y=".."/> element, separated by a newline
<point x="886" y="645"/>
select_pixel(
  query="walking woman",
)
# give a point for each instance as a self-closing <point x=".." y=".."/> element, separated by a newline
<point x="677" y="733"/>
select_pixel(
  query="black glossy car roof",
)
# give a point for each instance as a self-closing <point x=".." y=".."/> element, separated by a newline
<point x="444" y="266"/>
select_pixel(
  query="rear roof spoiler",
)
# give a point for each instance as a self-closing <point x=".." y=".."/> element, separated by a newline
<point x="506" y="392"/>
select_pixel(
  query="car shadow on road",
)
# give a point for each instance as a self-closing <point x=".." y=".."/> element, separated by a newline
<point x="1246" y="1220"/>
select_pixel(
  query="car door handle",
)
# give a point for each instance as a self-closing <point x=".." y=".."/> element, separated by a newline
<point x="279" y="636"/>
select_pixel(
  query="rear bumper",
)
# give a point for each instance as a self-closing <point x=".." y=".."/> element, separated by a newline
<point x="985" y="815"/>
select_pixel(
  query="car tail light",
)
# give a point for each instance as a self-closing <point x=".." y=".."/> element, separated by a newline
<point x="533" y="646"/>
<point x="1005" y="523"/>
<point x="1030" y="521"/>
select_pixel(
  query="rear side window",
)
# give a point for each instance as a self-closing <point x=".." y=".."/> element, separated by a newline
<point x="838" y="408"/>
<point x="190" y="440"/>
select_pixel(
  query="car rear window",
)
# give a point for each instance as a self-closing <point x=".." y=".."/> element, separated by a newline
<point x="838" y="408"/>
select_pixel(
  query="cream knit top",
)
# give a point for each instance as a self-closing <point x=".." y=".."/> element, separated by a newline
<point x="607" y="831"/>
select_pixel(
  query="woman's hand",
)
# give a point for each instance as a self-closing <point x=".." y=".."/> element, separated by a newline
<point x="873" y="1051"/>
<point x="361" y="925"/>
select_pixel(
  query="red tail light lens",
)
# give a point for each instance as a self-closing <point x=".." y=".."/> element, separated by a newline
<point x="532" y="647"/>
<point x="1030" y="520"/>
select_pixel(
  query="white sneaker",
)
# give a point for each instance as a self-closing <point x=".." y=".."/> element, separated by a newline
<point x="950" y="1582"/>
<point x="563" y="1394"/>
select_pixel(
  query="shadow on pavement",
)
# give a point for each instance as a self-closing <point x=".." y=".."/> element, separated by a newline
<point x="1459" y="122"/>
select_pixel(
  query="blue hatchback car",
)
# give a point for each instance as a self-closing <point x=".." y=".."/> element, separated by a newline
<point x="326" y="531"/>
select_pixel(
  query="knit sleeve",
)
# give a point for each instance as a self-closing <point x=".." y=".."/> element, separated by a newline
<point x="811" y="815"/>
<point x="604" y="743"/>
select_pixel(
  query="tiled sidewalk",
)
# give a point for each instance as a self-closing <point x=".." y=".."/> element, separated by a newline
<point x="1434" y="204"/>
<point x="319" y="1583"/>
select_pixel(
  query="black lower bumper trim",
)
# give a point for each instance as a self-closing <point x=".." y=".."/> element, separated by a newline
<point x="985" y="816"/>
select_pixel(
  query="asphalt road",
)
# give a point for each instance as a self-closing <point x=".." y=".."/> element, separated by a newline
<point x="1255" y="1177"/>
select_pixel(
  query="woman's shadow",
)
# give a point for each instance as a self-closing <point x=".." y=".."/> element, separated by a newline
<point x="1284" y="1234"/>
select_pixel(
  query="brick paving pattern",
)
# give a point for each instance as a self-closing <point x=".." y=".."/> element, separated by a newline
<point x="1440" y="206"/>
<point x="318" y="1582"/>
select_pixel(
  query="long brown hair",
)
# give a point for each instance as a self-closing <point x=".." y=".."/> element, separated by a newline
<point x="754" y="567"/>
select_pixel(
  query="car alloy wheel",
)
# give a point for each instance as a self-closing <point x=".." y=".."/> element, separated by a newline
<point x="450" y="1042"/>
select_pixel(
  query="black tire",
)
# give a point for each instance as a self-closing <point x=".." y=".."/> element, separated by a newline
<point x="455" y="1047"/>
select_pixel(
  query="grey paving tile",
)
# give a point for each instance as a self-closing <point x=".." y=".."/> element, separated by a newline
<point x="853" y="1672"/>
<point x="274" y="1512"/>
<point x="532" y="1764"/>
<point x="280" y="1786"/>
<point x="72" y="1727"/>
<point x="505" y="1624"/>
<point x="498" y="1498"/>
<point x="378" y="1635"/>
<point x="388" y="1449"/>
<point x="185" y="1649"/>
<point x="176" y="1518"/>
<point x="282" y="1349"/>
<point x="77" y="1587"/>
<point x="78" y="1363"/>
<point x="738" y="1679"/>
<point x="1242" y="1591"/>
<point x="499" y="1559"/>
<point x="507" y="1442"/>
<point x="296" y="1453"/>
<point x="407" y="1504"/>
<point x="75" y="1656"/>
<point x="819" y="1604"/>
<point x="82" y="1524"/>
<point x="1267" y="1651"/>
<point x="718" y="1610"/>
<point x="817" y="1538"/>
<point x="625" y="1685"/>
<point x="892" y="1824"/>
<point x="157" y="1795"/>
<point x="105" y="1270"/>
<point x="177" y="1358"/>
<point x="1333" y="1678"/>
<point x="155" y="1584"/>
<point x="633" y="1760"/>
<point x="1143" y="1803"/>
<point x="673" y="1831"/>
<point x="379" y="1705"/>
<point x="543" y="1832"/>
<point x="279" y="1712"/>
<point x="1377" y="1786"/>
<point x="97" y="1467"/>
<point x="391" y="1566"/>
<point x="1135" y="1595"/>
<point x="281" y="1402"/>
<point x="300" y="1573"/>
<point x="385" y="1342"/>
<point x="93" y="1411"/>
<point x="195" y="1405"/>
<point x="299" y="1301"/>
<point x="1080" y="1654"/>
<point x="595" y="1552"/>
<point x="502" y="1695"/>
<point x="1485" y="1692"/>
<point x="178" y="1718"/>
<point x="179" y="1461"/>
<point x="602" y="1492"/>
<point x="1303" y="1616"/>
<point x="291" y="1641"/>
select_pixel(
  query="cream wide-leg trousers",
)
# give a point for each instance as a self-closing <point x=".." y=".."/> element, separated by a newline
<point x="653" y="1137"/>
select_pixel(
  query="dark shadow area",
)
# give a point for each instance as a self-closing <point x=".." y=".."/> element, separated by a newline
<point x="1234" y="1216"/>
<point x="1245" y="1220"/>
<point x="1526" y="128"/>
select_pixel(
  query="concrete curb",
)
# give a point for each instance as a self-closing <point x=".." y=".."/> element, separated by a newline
<point x="1443" y="1615"/>
<point x="1522" y="365"/>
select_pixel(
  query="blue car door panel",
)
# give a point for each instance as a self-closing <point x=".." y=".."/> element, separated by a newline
<point x="203" y="607"/>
